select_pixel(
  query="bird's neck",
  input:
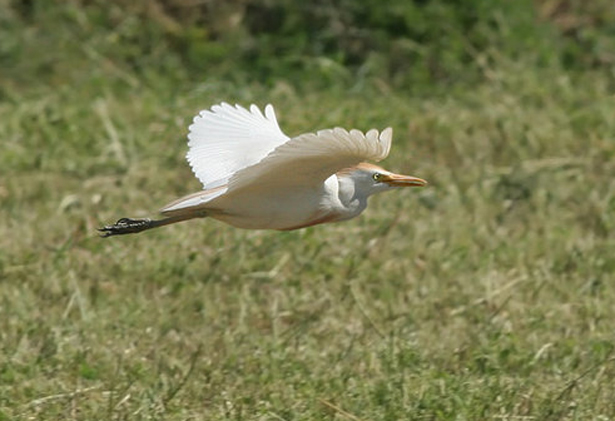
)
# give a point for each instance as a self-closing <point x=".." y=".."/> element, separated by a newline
<point x="350" y="197"/>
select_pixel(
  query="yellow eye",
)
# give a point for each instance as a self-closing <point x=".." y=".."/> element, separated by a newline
<point x="377" y="176"/>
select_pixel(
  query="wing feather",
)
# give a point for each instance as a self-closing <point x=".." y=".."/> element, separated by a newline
<point x="309" y="159"/>
<point x="226" y="139"/>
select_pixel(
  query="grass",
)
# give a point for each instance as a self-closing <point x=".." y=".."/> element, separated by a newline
<point x="488" y="295"/>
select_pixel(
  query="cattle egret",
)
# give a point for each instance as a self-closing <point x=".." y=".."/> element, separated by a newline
<point x="256" y="177"/>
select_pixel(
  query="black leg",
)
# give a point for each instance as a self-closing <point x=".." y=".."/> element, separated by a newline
<point x="126" y="226"/>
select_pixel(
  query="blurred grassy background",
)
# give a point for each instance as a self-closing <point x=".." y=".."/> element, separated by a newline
<point x="488" y="295"/>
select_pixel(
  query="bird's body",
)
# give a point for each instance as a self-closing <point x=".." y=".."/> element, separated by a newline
<point x="291" y="208"/>
<point x="256" y="177"/>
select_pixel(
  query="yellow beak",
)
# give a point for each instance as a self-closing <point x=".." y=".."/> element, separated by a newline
<point x="398" y="180"/>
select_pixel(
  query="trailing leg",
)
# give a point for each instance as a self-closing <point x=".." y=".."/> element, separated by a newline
<point x="133" y="226"/>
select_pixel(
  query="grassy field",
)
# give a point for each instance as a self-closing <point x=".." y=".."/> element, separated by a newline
<point x="488" y="295"/>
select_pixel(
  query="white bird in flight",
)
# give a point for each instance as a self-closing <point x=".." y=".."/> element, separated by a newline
<point x="256" y="177"/>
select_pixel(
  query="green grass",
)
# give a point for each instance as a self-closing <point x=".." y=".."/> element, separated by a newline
<point x="487" y="295"/>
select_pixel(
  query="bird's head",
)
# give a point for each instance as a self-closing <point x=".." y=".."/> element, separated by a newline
<point x="369" y="179"/>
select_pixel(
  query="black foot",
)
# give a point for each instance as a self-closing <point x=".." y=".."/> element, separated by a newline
<point x="125" y="226"/>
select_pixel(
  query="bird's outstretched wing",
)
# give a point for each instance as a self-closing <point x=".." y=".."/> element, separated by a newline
<point x="309" y="159"/>
<point x="226" y="139"/>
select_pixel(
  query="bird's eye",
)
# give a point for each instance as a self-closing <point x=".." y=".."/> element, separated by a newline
<point x="377" y="176"/>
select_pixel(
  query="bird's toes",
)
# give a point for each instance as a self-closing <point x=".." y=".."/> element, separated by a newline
<point x="105" y="231"/>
